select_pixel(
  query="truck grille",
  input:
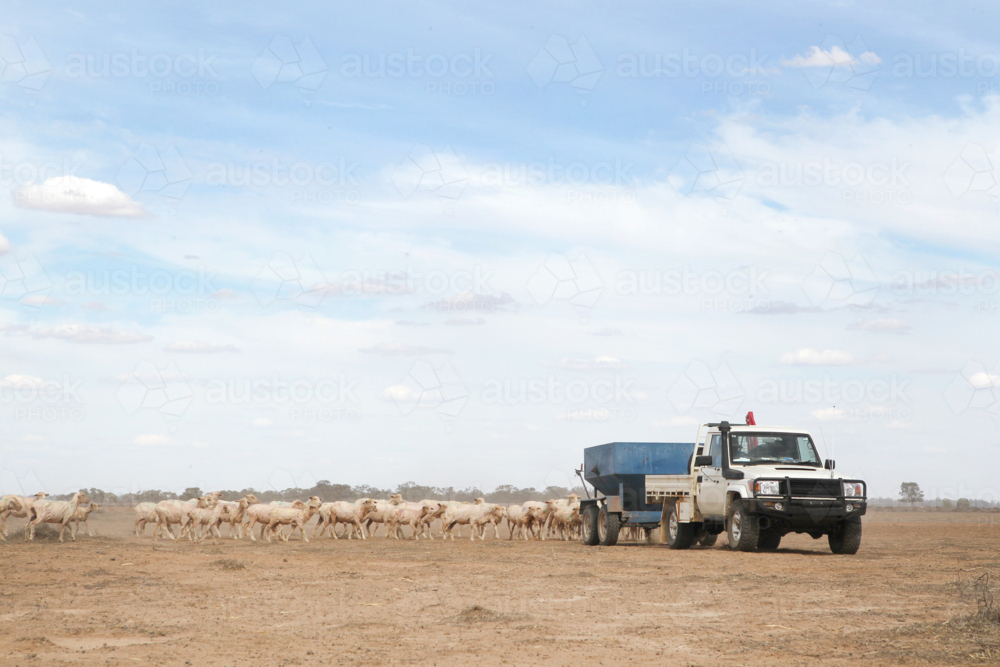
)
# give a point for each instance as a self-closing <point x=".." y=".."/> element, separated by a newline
<point x="813" y="488"/>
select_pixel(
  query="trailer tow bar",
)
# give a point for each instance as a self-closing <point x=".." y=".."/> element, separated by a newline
<point x="579" y="473"/>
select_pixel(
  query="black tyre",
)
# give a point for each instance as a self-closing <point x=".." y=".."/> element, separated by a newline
<point x="846" y="539"/>
<point x="742" y="527"/>
<point x="589" y="527"/>
<point x="608" y="525"/>
<point x="708" y="539"/>
<point x="679" y="535"/>
<point x="769" y="540"/>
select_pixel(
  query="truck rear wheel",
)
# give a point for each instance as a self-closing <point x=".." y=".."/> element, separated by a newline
<point x="743" y="529"/>
<point x="589" y="527"/>
<point x="846" y="538"/>
<point x="679" y="535"/>
<point x="608" y="525"/>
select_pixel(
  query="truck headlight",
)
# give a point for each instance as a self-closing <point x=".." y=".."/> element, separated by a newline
<point x="772" y="488"/>
<point x="853" y="489"/>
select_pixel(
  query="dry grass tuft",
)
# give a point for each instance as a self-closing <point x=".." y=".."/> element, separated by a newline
<point x="479" y="614"/>
<point x="230" y="564"/>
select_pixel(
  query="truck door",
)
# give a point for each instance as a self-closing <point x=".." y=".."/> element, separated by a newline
<point x="712" y="498"/>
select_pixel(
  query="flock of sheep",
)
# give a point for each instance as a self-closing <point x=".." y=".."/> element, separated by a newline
<point x="199" y="518"/>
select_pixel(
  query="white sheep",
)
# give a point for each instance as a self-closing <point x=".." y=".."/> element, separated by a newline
<point x="81" y="514"/>
<point x="54" y="511"/>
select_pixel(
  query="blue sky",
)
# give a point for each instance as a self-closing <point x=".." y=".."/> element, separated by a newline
<point x="644" y="216"/>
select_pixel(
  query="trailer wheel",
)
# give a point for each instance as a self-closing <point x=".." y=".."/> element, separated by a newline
<point x="589" y="528"/>
<point x="608" y="525"/>
<point x="743" y="530"/>
<point x="708" y="539"/>
<point x="679" y="535"/>
<point x="769" y="540"/>
<point x="846" y="538"/>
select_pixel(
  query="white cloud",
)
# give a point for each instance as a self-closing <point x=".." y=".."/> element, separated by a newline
<point x="828" y="414"/>
<point x="393" y="349"/>
<point x="884" y="325"/>
<point x="83" y="196"/>
<point x="261" y="423"/>
<point x="682" y="420"/>
<point x="470" y="301"/>
<point x="199" y="347"/>
<point x="984" y="380"/>
<point x="465" y="321"/>
<point x="836" y="56"/>
<point x="20" y="381"/>
<point x="598" y="363"/>
<point x="224" y="293"/>
<point x="400" y="392"/>
<point x="94" y="305"/>
<point x="810" y="357"/>
<point x="80" y="333"/>
<point x="4" y="245"/>
<point x="153" y="440"/>
<point x="33" y="438"/>
<point x="41" y="300"/>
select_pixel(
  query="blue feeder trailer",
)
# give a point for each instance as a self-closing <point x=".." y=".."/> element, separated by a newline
<point x="618" y="471"/>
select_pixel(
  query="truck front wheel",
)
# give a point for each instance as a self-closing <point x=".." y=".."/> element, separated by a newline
<point x="608" y="525"/>
<point x="679" y="535"/>
<point x="589" y="527"/>
<point x="846" y="538"/>
<point x="743" y="529"/>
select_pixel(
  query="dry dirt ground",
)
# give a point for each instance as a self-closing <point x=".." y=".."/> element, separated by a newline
<point x="119" y="600"/>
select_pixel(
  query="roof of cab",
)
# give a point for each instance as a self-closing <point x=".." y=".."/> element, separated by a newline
<point x="763" y="428"/>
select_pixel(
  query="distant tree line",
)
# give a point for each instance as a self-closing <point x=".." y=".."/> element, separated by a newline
<point x="504" y="494"/>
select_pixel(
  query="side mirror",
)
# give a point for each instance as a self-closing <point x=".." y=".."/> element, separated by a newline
<point x="701" y="461"/>
<point x="830" y="464"/>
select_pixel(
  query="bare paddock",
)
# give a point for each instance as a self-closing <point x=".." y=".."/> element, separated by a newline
<point x="118" y="600"/>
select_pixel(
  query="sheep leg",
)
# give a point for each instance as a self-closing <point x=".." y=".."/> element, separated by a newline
<point x="319" y="524"/>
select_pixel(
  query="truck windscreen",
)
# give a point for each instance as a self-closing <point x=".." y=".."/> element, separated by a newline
<point x="760" y="448"/>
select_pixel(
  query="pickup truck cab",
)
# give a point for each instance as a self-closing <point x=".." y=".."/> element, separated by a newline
<point x="757" y="484"/>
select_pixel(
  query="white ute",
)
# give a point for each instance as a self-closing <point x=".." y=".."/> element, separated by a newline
<point x="757" y="483"/>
